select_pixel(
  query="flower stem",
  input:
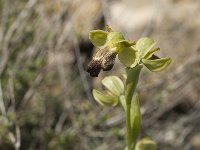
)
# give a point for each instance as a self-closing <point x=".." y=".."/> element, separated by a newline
<point x="131" y="83"/>
<point x="128" y="126"/>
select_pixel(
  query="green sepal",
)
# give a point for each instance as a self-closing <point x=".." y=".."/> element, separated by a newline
<point x="144" y="45"/>
<point x="98" y="38"/>
<point x="157" y="65"/>
<point x="128" y="56"/>
<point x="150" y="53"/>
<point x="105" y="98"/>
<point x="114" y="85"/>
<point x="146" y="144"/>
<point x="135" y="118"/>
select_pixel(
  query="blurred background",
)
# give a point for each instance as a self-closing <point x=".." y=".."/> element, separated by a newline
<point x="45" y="93"/>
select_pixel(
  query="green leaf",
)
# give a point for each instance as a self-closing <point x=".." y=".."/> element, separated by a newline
<point x="135" y="117"/>
<point x="157" y="64"/>
<point x="105" y="98"/>
<point x="123" y="101"/>
<point x="146" y="144"/>
<point x="128" y="56"/>
<point x="98" y="38"/>
<point x="144" y="45"/>
<point x="114" y="85"/>
<point x="131" y="82"/>
<point x="150" y="53"/>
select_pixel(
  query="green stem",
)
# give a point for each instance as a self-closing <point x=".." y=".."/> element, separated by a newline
<point x="131" y="83"/>
<point x="128" y="126"/>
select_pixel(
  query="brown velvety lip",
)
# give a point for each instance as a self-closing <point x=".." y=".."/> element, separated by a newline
<point x="102" y="59"/>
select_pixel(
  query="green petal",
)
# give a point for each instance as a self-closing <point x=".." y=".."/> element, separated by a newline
<point x="98" y="38"/>
<point x="135" y="117"/>
<point x="123" y="44"/>
<point x="144" y="45"/>
<point x="146" y="144"/>
<point x="127" y="43"/>
<point x="104" y="98"/>
<point x="157" y="64"/>
<point x="150" y="53"/>
<point x="114" y="85"/>
<point x="128" y="56"/>
<point x="108" y="28"/>
<point x="114" y="37"/>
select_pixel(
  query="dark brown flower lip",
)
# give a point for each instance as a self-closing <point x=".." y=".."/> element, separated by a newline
<point x="94" y="68"/>
<point x="103" y="59"/>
